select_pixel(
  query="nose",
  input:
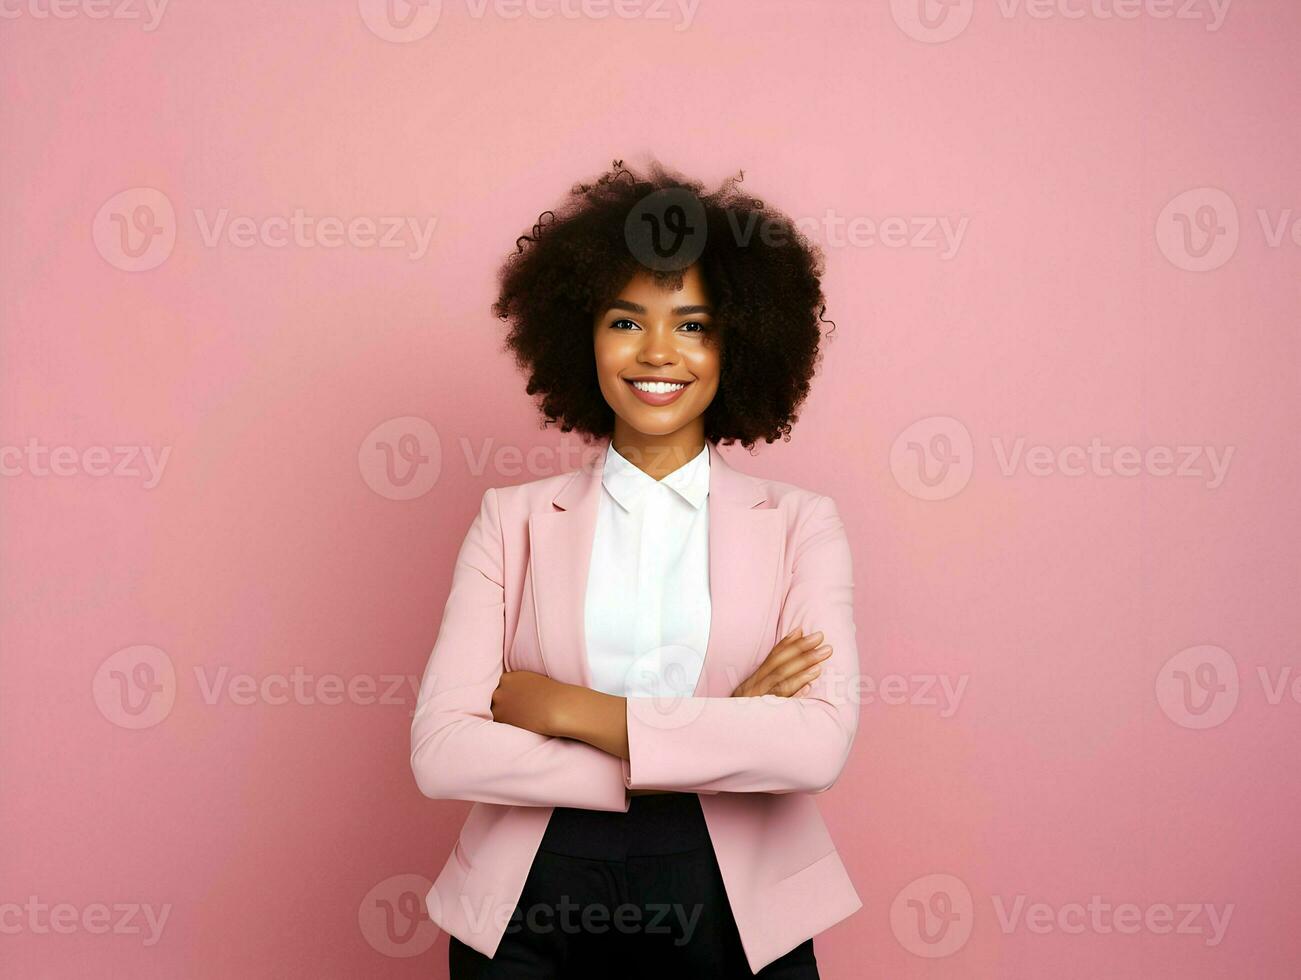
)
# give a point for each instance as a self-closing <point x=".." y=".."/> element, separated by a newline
<point x="657" y="347"/>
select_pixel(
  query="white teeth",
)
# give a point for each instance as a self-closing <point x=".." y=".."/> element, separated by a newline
<point x="657" y="387"/>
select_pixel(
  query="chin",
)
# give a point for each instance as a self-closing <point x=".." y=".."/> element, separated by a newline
<point x="649" y="424"/>
<point x="654" y="429"/>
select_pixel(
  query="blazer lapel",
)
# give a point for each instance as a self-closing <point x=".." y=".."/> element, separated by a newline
<point x="746" y="545"/>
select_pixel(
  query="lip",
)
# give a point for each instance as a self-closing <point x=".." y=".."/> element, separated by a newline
<point x="656" y="399"/>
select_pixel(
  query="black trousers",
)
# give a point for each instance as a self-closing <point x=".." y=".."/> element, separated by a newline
<point x="635" y="895"/>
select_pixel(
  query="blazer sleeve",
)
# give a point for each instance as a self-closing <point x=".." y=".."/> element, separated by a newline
<point x="768" y="744"/>
<point x="457" y="751"/>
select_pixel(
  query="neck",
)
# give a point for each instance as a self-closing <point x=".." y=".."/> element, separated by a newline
<point x="658" y="455"/>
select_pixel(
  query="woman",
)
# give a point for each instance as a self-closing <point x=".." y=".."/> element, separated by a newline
<point x="644" y="670"/>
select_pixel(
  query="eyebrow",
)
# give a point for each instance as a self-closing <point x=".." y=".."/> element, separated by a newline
<point x="630" y="307"/>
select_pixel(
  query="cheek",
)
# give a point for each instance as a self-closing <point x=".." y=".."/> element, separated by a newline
<point x="607" y="360"/>
<point x="705" y="365"/>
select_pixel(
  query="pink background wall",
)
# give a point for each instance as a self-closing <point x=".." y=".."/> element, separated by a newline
<point x="1084" y="662"/>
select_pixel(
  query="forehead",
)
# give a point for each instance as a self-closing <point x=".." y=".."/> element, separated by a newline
<point x="644" y="290"/>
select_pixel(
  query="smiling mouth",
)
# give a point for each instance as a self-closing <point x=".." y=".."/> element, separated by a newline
<point x="657" y="392"/>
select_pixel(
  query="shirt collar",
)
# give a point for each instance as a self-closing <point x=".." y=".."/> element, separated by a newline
<point x="626" y="482"/>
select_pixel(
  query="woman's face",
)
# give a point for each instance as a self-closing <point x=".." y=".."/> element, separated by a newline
<point x="656" y="354"/>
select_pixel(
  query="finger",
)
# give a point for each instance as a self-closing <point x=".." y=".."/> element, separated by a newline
<point x="785" y="650"/>
<point x="799" y="663"/>
<point x="789" y="687"/>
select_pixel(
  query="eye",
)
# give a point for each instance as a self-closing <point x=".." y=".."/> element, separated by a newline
<point x="700" y="327"/>
<point x="618" y="324"/>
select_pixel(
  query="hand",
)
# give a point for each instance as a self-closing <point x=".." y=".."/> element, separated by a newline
<point x="527" y="700"/>
<point x="789" y="669"/>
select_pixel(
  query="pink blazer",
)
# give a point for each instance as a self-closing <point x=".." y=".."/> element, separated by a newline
<point x="778" y="558"/>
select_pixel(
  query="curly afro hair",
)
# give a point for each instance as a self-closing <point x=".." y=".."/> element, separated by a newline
<point x="763" y="277"/>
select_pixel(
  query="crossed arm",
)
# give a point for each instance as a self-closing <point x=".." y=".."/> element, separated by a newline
<point x="579" y="748"/>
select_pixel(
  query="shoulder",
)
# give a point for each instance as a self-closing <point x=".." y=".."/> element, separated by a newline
<point x="805" y="510"/>
<point x="532" y="495"/>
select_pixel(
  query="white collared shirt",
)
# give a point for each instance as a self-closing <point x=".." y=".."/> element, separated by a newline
<point x="647" y="610"/>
